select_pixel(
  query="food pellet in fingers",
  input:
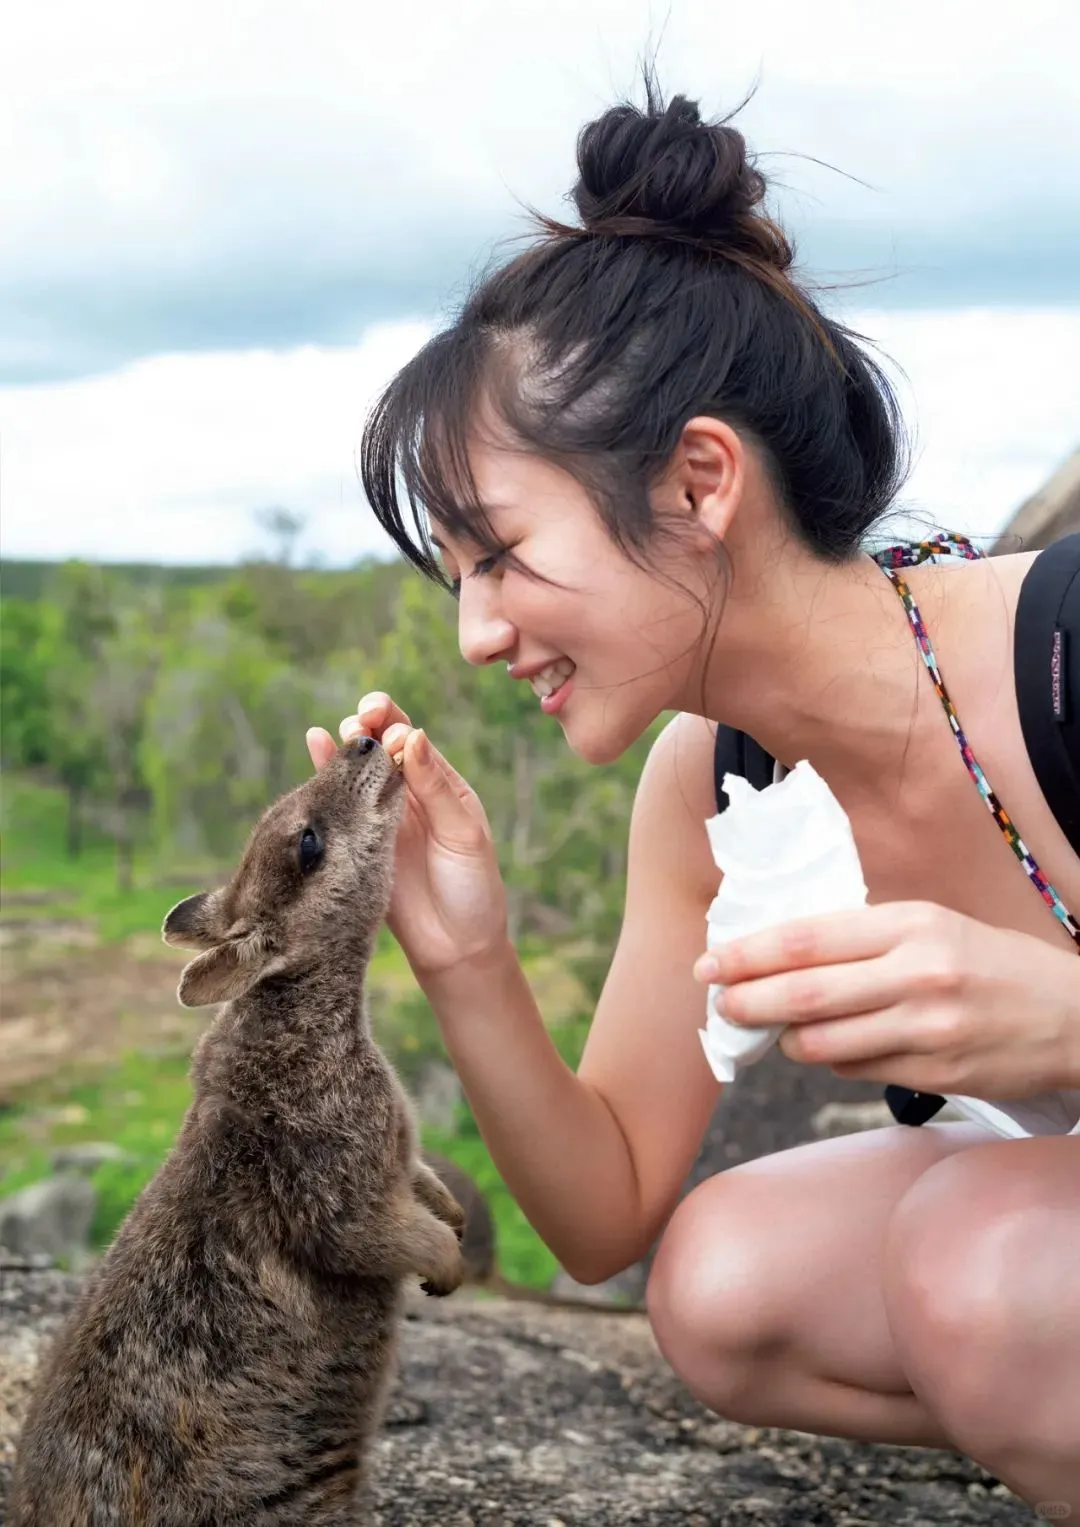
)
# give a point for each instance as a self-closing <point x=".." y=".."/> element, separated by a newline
<point x="397" y="754"/>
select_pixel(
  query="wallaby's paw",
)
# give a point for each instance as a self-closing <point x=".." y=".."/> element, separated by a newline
<point x="438" y="1290"/>
<point x="445" y="1282"/>
<point x="438" y="1199"/>
<point x="455" y="1218"/>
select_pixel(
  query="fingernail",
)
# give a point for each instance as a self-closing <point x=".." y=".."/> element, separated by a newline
<point x="707" y="969"/>
<point x="349" y="728"/>
<point x="421" y="747"/>
<point x="367" y="707"/>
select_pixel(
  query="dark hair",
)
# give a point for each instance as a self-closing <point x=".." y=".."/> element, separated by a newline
<point x="596" y="345"/>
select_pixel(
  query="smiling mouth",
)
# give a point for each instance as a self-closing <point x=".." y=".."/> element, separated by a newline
<point x="552" y="678"/>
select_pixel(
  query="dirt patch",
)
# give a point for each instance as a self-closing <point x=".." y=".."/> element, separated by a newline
<point x="86" y="1004"/>
<point x="15" y="931"/>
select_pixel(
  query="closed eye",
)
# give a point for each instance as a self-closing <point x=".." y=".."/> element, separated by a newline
<point x="480" y="569"/>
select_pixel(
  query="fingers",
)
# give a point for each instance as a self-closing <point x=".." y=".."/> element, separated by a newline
<point x="375" y="713"/>
<point x="860" y="933"/>
<point x="817" y="993"/>
<point x="861" y="1039"/>
<point x="320" y="745"/>
<point x="393" y="738"/>
<point x="434" y="783"/>
<point x="445" y="804"/>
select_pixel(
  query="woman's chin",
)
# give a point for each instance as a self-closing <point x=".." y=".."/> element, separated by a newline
<point x="599" y="744"/>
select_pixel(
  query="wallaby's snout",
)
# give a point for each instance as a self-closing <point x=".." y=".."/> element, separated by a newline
<point x="361" y="785"/>
<point x="314" y="881"/>
<point x="363" y="755"/>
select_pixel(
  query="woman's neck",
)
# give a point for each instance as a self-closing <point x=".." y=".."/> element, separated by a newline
<point x="820" y="662"/>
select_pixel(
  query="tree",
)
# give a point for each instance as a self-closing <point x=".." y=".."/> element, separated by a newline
<point x="85" y="599"/>
<point x="27" y="629"/>
<point x="128" y="660"/>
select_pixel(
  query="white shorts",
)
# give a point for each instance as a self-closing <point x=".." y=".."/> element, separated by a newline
<point x="1046" y="1113"/>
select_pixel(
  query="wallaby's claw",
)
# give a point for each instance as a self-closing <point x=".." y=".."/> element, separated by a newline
<point x="438" y="1290"/>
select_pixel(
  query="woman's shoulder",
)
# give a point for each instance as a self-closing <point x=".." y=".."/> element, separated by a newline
<point x="682" y="758"/>
<point x="675" y="796"/>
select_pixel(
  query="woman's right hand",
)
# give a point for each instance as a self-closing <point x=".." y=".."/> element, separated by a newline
<point x="448" y="903"/>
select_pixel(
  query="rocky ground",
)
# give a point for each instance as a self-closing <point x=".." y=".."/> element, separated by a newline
<point x="513" y="1415"/>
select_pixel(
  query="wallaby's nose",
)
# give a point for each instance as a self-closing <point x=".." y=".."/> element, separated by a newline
<point x="364" y="745"/>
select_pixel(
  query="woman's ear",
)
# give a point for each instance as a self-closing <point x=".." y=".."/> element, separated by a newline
<point x="195" y="923"/>
<point x="711" y="473"/>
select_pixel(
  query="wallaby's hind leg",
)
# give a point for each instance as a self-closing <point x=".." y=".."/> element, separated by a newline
<point x="436" y="1196"/>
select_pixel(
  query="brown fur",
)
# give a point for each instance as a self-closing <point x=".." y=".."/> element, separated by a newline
<point x="227" y="1359"/>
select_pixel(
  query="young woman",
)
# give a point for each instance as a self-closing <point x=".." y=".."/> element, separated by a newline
<point x="649" y="465"/>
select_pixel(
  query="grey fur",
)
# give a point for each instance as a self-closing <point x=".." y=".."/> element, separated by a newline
<point x="227" y="1360"/>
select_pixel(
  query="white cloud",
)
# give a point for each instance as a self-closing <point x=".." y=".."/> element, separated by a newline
<point x="203" y="175"/>
<point x="992" y="395"/>
<point x="168" y="459"/>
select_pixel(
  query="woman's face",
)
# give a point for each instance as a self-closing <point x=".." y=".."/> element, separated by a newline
<point x="634" y="640"/>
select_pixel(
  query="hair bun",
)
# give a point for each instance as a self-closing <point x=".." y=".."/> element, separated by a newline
<point x="663" y="171"/>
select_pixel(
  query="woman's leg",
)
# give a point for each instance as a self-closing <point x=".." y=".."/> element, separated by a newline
<point x="767" y="1290"/>
<point x="982" y="1296"/>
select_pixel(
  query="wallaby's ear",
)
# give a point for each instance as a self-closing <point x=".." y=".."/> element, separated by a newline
<point x="195" y="923"/>
<point x="221" y="974"/>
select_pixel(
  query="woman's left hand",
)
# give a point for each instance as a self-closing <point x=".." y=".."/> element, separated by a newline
<point x="913" y="993"/>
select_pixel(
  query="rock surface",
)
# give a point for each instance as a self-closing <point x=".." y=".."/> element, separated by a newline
<point x="508" y="1414"/>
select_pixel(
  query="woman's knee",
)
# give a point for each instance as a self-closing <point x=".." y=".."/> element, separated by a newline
<point x="708" y="1293"/>
<point x="961" y="1248"/>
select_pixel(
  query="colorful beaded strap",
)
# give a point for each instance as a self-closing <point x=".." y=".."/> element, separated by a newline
<point x="909" y="555"/>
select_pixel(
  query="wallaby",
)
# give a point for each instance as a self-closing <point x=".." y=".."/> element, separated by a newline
<point x="227" y="1360"/>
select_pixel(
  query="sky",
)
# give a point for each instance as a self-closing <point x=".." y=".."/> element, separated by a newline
<point x="226" y="224"/>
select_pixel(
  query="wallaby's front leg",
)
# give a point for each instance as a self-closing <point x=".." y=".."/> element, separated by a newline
<point x="436" y="1196"/>
<point x="430" y="1247"/>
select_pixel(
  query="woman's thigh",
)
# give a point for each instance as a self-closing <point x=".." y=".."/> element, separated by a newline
<point x="781" y="1260"/>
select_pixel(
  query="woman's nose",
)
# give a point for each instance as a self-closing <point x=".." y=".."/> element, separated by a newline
<point x="484" y="635"/>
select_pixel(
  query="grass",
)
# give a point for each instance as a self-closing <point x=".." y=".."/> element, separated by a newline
<point x="85" y="889"/>
<point x="138" y="1102"/>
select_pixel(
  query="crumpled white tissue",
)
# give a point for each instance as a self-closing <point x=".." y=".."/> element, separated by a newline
<point x="786" y="851"/>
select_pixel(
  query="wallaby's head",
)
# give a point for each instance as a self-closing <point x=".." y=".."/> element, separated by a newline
<point x="314" y="881"/>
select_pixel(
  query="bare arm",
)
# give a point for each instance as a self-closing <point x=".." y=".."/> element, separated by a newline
<point x="596" y="1160"/>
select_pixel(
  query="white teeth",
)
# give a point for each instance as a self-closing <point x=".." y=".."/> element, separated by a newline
<point x="549" y="679"/>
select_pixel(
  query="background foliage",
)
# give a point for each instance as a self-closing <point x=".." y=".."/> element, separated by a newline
<point x="149" y="714"/>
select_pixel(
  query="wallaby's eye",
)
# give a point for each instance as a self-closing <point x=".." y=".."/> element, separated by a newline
<point x="311" y="850"/>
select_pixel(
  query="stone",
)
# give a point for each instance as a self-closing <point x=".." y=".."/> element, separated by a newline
<point x="50" y="1218"/>
<point x="87" y="1155"/>
<point x="843" y="1118"/>
<point x="625" y="1288"/>
<point x="834" y="1119"/>
<point x="437" y="1094"/>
